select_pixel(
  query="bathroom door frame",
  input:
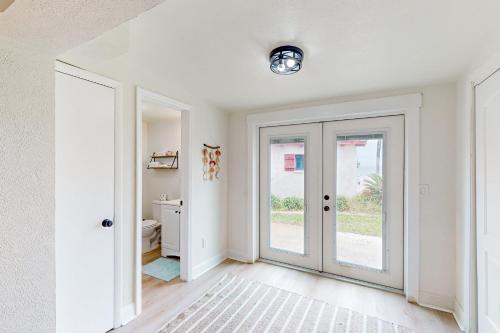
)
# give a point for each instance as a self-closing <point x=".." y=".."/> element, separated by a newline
<point x="407" y="105"/>
<point x="185" y="171"/>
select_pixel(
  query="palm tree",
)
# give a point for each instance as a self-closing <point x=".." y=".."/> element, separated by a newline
<point x="374" y="187"/>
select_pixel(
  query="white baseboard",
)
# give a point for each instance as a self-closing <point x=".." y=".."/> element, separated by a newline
<point x="458" y="314"/>
<point x="207" y="265"/>
<point x="128" y="313"/>
<point x="436" y="301"/>
<point x="238" y="256"/>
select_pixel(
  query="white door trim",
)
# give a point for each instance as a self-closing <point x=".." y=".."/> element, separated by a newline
<point x="407" y="105"/>
<point x="185" y="170"/>
<point x="118" y="190"/>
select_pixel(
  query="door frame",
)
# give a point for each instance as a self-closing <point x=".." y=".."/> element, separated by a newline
<point x="407" y="105"/>
<point x="80" y="73"/>
<point x="185" y="171"/>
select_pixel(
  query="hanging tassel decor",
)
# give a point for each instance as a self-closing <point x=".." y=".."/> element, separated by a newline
<point x="211" y="162"/>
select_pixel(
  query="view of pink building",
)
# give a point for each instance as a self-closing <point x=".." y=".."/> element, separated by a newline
<point x="288" y="163"/>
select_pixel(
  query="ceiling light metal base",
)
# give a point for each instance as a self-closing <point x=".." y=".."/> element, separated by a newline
<point x="286" y="60"/>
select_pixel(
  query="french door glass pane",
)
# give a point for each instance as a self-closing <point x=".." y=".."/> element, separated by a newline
<point x="287" y="167"/>
<point x="359" y="206"/>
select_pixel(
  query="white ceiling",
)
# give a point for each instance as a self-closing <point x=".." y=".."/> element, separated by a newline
<point x="218" y="50"/>
<point x="50" y="26"/>
<point x="152" y="112"/>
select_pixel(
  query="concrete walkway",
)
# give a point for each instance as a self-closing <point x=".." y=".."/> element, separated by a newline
<point x="351" y="248"/>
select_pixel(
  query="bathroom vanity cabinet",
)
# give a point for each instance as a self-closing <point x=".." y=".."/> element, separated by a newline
<point x="169" y="215"/>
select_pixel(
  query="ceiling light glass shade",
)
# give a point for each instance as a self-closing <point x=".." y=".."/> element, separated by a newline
<point x="286" y="60"/>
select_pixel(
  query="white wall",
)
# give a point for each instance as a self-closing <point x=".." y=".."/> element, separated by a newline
<point x="159" y="136"/>
<point x="209" y="198"/>
<point x="237" y="187"/>
<point x="27" y="230"/>
<point x="437" y="211"/>
<point x="463" y="199"/>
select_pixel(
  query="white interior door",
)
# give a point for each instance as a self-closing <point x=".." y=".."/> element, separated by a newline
<point x="84" y="126"/>
<point x="363" y="174"/>
<point x="290" y="195"/>
<point x="488" y="199"/>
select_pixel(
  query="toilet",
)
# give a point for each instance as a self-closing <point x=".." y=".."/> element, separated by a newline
<point x="151" y="231"/>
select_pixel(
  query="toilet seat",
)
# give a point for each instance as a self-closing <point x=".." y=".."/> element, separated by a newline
<point x="148" y="224"/>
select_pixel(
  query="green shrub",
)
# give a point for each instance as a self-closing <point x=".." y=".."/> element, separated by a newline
<point x="364" y="203"/>
<point x="293" y="203"/>
<point x="276" y="202"/>
<point x="342" y="203"/>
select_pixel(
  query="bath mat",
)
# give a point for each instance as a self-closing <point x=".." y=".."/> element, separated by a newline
<point x="235" y="304"/>
<point x="163" y="268"/>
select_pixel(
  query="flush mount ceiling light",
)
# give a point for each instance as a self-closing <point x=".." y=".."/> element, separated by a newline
<point x="286" y="60"/>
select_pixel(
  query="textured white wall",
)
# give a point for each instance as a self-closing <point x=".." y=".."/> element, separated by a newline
<point x="160" y="137"/>
<point x="27" y="235"/>
<point x="437" y="210"/>
<point x="27" y="259"/>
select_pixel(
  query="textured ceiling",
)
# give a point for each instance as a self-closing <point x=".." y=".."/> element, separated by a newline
<point x="218" y="50"/>
<point x="54" y="26"/>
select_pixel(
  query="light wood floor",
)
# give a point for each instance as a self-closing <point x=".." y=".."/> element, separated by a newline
<point x="163" y="300"/>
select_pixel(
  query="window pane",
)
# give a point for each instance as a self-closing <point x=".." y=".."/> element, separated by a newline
<point x="287" y="194"/>
<point x="359" y="200"/>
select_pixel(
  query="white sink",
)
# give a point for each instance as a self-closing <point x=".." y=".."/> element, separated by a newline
<point x="175" y="202"/>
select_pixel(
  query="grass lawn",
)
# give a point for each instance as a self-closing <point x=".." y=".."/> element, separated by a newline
<point x="363" y="224"/>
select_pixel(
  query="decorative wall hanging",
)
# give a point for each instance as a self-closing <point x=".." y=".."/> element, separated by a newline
<point x="211" y="162"/>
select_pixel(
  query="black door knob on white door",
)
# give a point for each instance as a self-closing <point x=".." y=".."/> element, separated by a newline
<point x="107" y="223"/>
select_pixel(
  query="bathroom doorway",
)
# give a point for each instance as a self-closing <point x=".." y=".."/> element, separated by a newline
<point x="162" y="193"/>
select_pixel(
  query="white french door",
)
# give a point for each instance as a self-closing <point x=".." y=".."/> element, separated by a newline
<point x="488" y="210"/>
<point x="363" y="172"/>
<point x="290" y="200"/>
<point x="331" y="197"/>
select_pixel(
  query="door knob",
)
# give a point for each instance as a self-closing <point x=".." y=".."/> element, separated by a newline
<point x="107" y="223"/>
<point x="327" y="197"/>
<point x="326" y="208"/>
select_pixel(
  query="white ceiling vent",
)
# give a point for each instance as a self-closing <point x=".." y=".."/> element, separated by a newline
<point x="4" y="4"/>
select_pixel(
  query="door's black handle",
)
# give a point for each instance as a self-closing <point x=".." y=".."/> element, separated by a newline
<point x="107" y="223"/>
<point x="326" y="208"/>
<point x="327" y="197"/>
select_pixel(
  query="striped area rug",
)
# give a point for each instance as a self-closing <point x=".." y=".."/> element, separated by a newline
<point x="235" y="304"/>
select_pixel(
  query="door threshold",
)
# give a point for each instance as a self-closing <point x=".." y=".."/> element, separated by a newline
<point x="334" y="276"/>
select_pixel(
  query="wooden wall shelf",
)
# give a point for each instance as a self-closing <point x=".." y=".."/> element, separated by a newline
<point x="173" y="165"/>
